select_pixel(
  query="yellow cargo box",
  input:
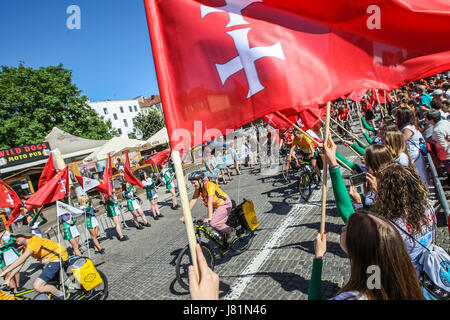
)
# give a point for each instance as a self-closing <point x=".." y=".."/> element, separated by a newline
<point x="87" y="275"/>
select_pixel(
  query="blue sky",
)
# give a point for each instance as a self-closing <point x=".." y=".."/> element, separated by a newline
<point x="110" y="56"/>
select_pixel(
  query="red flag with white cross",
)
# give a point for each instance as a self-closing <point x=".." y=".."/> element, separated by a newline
<point x="9" y="199"/>
<point x="225" y="63"/>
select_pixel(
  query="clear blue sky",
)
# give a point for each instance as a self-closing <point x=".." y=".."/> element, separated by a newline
<point x="110" y="56"/>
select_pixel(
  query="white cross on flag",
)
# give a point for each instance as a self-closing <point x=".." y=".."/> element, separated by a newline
<point x="227" y="63"/>
<point x="87" y="183"/>
<point x="63" y="208"/>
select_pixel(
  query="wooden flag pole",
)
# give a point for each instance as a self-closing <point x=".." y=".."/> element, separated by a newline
<point x="186" y="209"/>
<point x="325" y="168"/>
<point x="385" y="102"/>
<point x="359" y="111"/>
<point x="343" y="128"/>
<point x="340" y="138"/>
<point x="344" y="165"/>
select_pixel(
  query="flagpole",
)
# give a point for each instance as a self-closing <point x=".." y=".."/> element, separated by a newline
<point x="60" y="258"/>
<point x="340" y="138"/>
<point x="385" y="102"/>
<point x="186" y="209"/>
<point x="86" y="233"/>
<point x="360" y="112"/>
<point x="345" y="130"/>
<point x="325" y="168"/>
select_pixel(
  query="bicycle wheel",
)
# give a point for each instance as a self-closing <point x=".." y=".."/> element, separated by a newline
<point x="242" y="243"/>
<point x="184" y="260"/>
<point x="304" y="186"/>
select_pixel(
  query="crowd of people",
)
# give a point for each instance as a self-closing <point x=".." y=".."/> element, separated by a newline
<point x="389" y="223"/>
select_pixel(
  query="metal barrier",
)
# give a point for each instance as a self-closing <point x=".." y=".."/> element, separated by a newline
<point x="439" y="189"/>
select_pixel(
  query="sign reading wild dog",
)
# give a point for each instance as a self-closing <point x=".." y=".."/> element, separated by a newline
<point x="18" y="155"/>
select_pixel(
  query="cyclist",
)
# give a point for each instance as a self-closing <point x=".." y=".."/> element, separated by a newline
<point x="218" y="203"/>
<point x="49" y="252"/>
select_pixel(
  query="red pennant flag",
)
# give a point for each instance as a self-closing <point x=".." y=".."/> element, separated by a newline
<point x="228" y="65"/>
<point x="9" y="199"/>
<point x="129" y="175"/>
<point x="55" y="189"/>
<point x="160" y="159"/>
<point x="105" y="187"/>
<point x="48" y="172"/>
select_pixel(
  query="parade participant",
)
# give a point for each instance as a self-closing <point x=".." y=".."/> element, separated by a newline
<point x="8" y="255"/>
<point x="113" y="212"/>
<point x="367" y="108"/>
<point x="32" y="222"/>
<point x="218" y="203"/>
<point x="49" y="252"/>
<point x="308" y="151"/>
<point x="91" y="222"/>
<point x="152" y="195"/>
<point x="343" y="114"/>
<point x="129" y="193"/>
<point x="71" y="232"/>
<point x="167" y="174"/>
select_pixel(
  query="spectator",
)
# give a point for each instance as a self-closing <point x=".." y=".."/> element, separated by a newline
<point x="395" y="142"/>
<point x="402" y="198"/>
<point x="405" y="121"/>
<point x="8" y="255"/>
<point x="440" y="138"/>
<point x="425" y="98"/>
<point x="235" y="157"/>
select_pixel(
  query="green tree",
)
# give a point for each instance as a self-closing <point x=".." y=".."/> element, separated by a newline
<point x="149" y="123"/>
<point x="33" y="101"/>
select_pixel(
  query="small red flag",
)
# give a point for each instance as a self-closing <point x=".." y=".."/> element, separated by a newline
<point x="160" y="158"/>
<point x="129" y="175"/>
<point x="55" y="189"/>
<point x="48" y="172"/>
<point x="9" y="199"/>
<point x="105" y="187"/>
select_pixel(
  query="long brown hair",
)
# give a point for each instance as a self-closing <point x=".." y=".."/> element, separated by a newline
<point x="377" y="157"/>
<point x="402" y="194"/>
<point x="372" y="240"/>
<point x="394" y="140"/>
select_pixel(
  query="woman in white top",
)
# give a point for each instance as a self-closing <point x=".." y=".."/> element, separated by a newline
<point x="405" y="122"/>
<point x="394" y="140"/>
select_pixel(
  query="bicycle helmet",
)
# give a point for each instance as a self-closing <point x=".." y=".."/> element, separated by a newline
<point x="196" y="175"/>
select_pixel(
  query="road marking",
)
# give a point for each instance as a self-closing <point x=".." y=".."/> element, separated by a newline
<point x="295" y="215"/>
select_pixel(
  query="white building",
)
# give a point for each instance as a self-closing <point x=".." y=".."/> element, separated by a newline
<point x="120" y="112"/>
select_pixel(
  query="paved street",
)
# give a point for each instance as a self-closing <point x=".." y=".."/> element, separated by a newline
<point x="276" y="267"/>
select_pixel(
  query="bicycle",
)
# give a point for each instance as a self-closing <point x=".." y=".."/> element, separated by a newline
<point x="242" y="241"/>
<point x="306" y="177"/>
<point x="73" y="289"/>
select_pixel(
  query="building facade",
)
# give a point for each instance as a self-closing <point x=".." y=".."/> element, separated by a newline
<point x="122" y="112"/>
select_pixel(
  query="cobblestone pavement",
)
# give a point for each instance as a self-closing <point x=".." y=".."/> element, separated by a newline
<point x="277" y="266"/>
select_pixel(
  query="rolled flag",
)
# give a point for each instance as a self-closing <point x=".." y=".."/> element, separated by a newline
<point x="63" y="208"/>
<point x="87" y="183"/>
<point x="160" y="158"/>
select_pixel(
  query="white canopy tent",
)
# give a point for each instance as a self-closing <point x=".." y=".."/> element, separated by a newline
<point x="114" y="146"/>
<point x="159" y="138"/>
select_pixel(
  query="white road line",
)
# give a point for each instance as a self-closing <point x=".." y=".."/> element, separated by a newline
<point x="295" y="215"/>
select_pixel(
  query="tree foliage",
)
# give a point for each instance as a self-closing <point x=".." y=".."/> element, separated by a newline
<point x="33" y="101"/>
<point x="149" y="123"/>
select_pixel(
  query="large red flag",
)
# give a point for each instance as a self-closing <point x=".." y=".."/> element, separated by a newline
<point x="48" y="172"/>
<point x="357" y="95"/>
<point x="160" y="159"/>
<point x="129" y="175"/>
<point x="55" y="189"/>
<point x="416" y="25"/>
<point x="9" y="199"/>
<point x="223" y="64"/>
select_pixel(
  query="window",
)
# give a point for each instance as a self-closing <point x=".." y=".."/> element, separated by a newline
<point x="125" y="122"/>
<point x="105" y="110"/>
<point x="119" y="130"/>
<point x="135" y="108"/>
<point x="121" y="109"/>
<point x="115" y="116"/>
<point x="131" y="109"/>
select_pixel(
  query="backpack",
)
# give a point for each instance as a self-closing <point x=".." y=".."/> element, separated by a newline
<point x="434" y="273"/>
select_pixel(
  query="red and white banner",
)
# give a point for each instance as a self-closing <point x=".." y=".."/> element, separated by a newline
<point x="55" y="189"/>
<point x="223" y="64"/>
<point x="9" y="199"/>
<point x="87" y="183"/>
